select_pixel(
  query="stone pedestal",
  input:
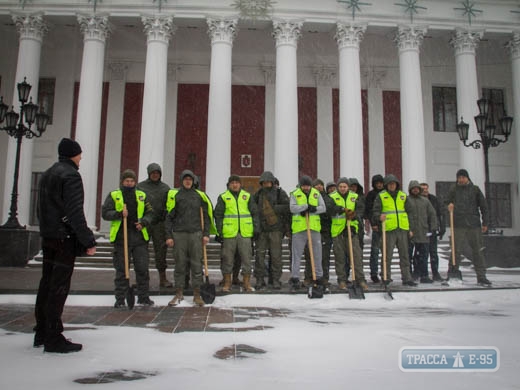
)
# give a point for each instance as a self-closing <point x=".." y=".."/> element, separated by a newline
<point x="18" y="246"/>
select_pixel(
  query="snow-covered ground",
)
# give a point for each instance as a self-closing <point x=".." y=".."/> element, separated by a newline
<point x="324" y="343"/>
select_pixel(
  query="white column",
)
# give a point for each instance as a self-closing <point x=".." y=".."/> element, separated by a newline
<point x="286" y="34"/>
<point x="114" y="137"/>
<point x="168" y="170"/>
<point x="270" y="97"/>
<point x="31" y="28"/>
<point x="465" y="43"/>
<point x="325" y="148"/>
<point x="348" y="37"/>
<point x="376" y="133"/>
<point x="95" y="30"/>
<point x="514" y="50"/>
<point x="218" y="162"/>
<point x="413" y="152"/>
<point x="158" y="30"/>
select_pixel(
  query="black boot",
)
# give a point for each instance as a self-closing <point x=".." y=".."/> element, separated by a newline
<point x="59" y="344"/>
<point x="39" y="338"/>
<point x="483" y="281"/>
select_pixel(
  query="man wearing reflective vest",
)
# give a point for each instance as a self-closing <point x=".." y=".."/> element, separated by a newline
<point x="305" y="200"/>
<point x="186" y="233"/>
<point x="236" y="221"/>
<point x="139" y="215"/>
<point x="391" y="206"/>
<point x="348" y="206"/>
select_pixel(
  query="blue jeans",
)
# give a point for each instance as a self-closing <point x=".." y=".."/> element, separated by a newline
<point x="419" y="256"/>
<point x="374" y="252"/>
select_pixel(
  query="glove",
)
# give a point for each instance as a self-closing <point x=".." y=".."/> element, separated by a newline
<point x="303" y="213"/>
<point x="351" y="214"/>
<point x="339" y="210"/>
<point x="219" y="239"/>
<point x="312" y="209"/>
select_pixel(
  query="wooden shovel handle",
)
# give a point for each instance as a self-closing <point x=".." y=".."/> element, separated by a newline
<point x="452" y="228"/>
<point x="204" y="252"/>
<point x="309" y="241"/>
<point x="383" y="236"/>
<point x="125" y="244"/>
<point x="350" y="251"/>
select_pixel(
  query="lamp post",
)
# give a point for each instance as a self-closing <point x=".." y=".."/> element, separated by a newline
<point x="15" y="127"/>
<point x="487" y="135"/>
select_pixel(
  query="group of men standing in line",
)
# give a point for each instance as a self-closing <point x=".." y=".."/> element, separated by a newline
<point x="314" y="216"/>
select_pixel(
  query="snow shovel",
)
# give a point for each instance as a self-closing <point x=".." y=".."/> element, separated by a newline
<point x="388" y="292"/>
<point x="453" y="273"/>
<point x="207" y="290"/>
<point x="315" y="291"/>
<point x="354" y="291"/>
<point x="130" y="297"/>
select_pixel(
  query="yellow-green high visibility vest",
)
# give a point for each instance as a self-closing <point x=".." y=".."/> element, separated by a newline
<point x="170" y="204"/>
<point x="117" y="196"/>
<point x="339" y="221"/>
<point x="298" y="222"/>
<point x="396" y="215"/>
<point x="237" y="217"/>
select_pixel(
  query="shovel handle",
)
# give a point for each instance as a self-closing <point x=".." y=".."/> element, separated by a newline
<point x="351" y="251"/>
<point x="125" y="244"/>
<point x="452" y="228"/>
<point x="204" y="252"/>
<point x="383" y="234"/>
<point x="309" y="241"/>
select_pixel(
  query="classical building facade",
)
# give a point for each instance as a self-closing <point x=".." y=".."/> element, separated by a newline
<point x="325" y="88"/>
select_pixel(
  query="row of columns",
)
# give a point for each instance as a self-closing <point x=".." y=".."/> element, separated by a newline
<point x="159" y="29"/>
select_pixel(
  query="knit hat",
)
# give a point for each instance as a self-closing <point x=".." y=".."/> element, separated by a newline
<point x="234" y="178"/>
<point x="128" y="173"/>
<point x="153" y="167"/>
<point x="318" y="182"/>
<point x="185" y="173"/>
<point x="343" y="180"/>
<point x="305" y="181"/>
<point x="330" y="184"/>
<point x="68" y="148"/>
<point x="462" y="172"/>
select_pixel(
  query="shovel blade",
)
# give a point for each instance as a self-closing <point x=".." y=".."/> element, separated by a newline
<point x="130" y="297"/>
<point x="355" y="291"/>
<point x="208" y="292"/>
<point x="455" y="274"/>
<point x="315" y="291"/>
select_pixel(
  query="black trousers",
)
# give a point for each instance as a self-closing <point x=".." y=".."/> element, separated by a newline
<point x="58" y="265"/>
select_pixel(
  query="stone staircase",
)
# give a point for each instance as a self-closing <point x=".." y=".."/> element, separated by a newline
<point x="103" y="256"/>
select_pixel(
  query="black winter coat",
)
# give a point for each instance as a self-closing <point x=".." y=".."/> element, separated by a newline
<point x="470" y="205"/>
<point x="60" y="204"/>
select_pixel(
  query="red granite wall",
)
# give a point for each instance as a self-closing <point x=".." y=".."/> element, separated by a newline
<point x="392" y="131"/>
<point x="192" y="130"/>
<point x="307" y="132"/>
<point x="132" y="117"/>
<point x="247" y="129"/>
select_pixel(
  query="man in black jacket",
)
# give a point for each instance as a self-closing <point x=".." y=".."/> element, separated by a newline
<point x="377" y="187"/>
<point x="65" y="235"/>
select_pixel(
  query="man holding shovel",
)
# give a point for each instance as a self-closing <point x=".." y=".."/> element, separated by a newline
<point x="468" y="205"/>
<point x="139" y="215"/>
<point x="306" y="201"/>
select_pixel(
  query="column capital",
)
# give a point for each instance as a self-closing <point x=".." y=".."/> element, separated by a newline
<point x="465" y="41"/>
<point x="118" y="71"/>
<point x="158" y="28"/>
<point x="514" y="45"/>
<point x="349" y="35"/>
<point x="222" y="30"/>
<point x="269" y="71"/>
<point x="324" y="74"/>
<point x="30" y="26"/>
<point x="94" y="27"/>
<point x="287" y="32"/>
<point x="410" y="37"/>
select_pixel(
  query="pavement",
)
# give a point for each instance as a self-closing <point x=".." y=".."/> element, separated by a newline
<point x="186" y="317"/>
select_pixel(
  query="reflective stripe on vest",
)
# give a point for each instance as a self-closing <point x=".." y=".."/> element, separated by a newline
<point x="237" y="218"/>
<point x="339" y="221"/>
<point x="396" y="215"/>
<point x="298" y="222"/>
<point x="117" y="196"/>
<point x="170" y="204"/>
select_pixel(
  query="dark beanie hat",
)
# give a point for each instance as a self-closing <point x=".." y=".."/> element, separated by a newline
<point x="305" y="181"/>
<point x="128" y="173"/>
<point x="234" y="178"/>
<point x="330" y="184"/>
<point x="318" y="182"/>
<point x="343" y="180"/>
<point x="68" y="148"/>
<point x="462" y="172"/>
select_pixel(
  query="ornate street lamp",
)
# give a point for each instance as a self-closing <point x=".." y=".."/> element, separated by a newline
<point x="487" y="135"/>
<point x="15" y="127"/>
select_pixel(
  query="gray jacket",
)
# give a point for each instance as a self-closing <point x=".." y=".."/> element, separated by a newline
<point x="422" y="216"/>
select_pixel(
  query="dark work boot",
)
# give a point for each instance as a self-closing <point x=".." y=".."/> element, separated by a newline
<point x="39" y="338"/>
<point x="59" y="344"/>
